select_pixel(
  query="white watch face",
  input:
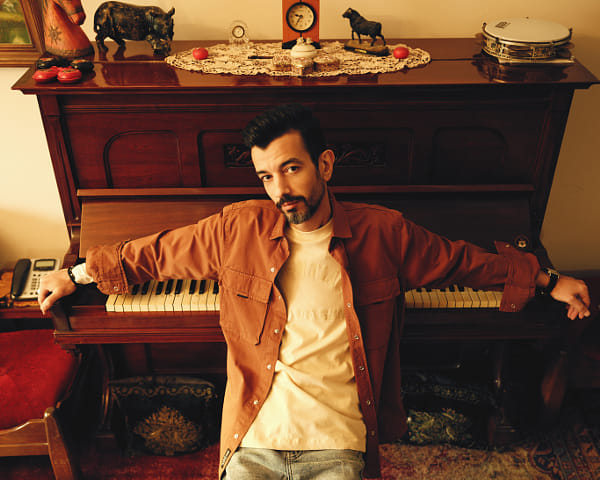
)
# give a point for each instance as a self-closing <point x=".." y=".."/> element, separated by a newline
<point x="238" y="31"/>
<point x="300" y="17"/>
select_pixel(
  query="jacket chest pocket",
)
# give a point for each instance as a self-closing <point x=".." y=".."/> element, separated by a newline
<point x="244" y="305"/>
<point x="376" y="305"/>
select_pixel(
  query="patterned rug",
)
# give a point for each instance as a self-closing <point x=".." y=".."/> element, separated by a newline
<point x="564" y="454"/>
<point x="570" y="451"/>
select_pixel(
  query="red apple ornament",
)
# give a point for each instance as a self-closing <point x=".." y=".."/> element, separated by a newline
<point x="400" y="52"/>
<point x="200" y="53"/>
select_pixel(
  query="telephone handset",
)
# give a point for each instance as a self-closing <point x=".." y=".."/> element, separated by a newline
<point x="27" y="276"/>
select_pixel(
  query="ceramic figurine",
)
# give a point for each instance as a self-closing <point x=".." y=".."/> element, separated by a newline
<point x="63" y="35"/>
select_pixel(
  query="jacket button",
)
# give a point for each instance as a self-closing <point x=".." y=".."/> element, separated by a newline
<point x="272" y="269"/>
<point x="276" y="331"/>
<point x="115" y="288"/>
<point x="256" y="402"/>
<point x="361" y="368"/>
<point x="269" y="366"/>
<point x="236" y="436"/>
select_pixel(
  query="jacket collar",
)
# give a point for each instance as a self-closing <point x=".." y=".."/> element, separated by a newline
<point x="341" y="226"/>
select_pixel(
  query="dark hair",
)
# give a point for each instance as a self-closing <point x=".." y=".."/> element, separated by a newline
<point x="274" y="123"/>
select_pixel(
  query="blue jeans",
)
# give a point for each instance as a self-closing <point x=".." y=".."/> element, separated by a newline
<point x="264" y="464"/>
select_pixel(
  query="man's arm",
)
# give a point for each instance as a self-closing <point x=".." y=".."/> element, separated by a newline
<point x="570" y="291"/>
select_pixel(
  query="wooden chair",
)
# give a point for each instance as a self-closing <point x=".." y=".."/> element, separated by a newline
<point x="35" y="377"/>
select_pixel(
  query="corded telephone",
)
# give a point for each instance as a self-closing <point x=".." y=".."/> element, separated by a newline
<point x="28" y="274"/>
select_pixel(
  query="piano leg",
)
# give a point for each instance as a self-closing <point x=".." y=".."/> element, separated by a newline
<point x="500" y="430"/>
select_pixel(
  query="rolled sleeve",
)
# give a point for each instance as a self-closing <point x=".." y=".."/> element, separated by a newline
<point x="519" y="287"/>
<point x="103" y="263"/>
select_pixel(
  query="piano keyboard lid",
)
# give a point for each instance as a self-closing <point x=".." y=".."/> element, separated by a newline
<point x="478" y="216"/>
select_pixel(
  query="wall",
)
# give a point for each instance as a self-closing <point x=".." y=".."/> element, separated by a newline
<point x="30" y="212"/>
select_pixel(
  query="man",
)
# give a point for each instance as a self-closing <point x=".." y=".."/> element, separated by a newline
<point x="309" y="307"/>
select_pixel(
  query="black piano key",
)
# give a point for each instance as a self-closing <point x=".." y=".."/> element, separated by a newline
<point x="135" y="289"/>
<point x="192" y="289"/>
<point x="159" y="288"/>
<point x="202" y="288"/>
<point x="178" y="287"/>
<point x="169" y="287"/>
<point x="216" y="288"/>
<point x="145" y="287"/>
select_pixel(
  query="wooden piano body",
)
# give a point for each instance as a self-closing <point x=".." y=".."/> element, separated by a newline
<point x="463" y="146"/>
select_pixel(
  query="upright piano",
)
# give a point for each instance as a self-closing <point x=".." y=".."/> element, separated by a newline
<point x="464" y="146"/>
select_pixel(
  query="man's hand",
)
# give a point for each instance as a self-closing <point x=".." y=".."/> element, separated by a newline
<point x="54" y="286"/>
<point x="575" y="294"/>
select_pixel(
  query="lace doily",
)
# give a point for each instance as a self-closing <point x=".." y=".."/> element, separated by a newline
<point x="224" y="58"/>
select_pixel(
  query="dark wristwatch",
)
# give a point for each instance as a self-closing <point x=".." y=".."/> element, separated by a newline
<point x="72" y="276"/>
<point x="554" y="276"/>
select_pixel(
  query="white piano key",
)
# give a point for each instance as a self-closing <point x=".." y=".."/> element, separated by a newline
<point x="409" y="299"/>
<point x="169" y="295"/>
<point x="498" y="297"/>
<point x="457" y="296"/>
<point x="483" y="299"/>
<point x="211" y="296"/>
<point x="181" y="288"/>
<point x="140" y="296"/>
<point x="156" y="303"/>
<point x="110" y="302"/>
<point x="119" y="303"/>
<point x="145" y="299"/>
<point x="491" y="298"/>
<point x="198" y="302"/>
<point x="129" y="297"/>
<point x="467" y="300"/>
<point x="442" y="301"/>
<point x="450" y="297"/>
<point x="418" y="298"/>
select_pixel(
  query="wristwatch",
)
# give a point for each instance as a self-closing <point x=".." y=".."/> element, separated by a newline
<point x="78" y="275"/>
<point x="554" y="276"/>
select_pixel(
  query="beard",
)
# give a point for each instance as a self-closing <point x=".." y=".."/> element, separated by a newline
<point x="306" y="206"/>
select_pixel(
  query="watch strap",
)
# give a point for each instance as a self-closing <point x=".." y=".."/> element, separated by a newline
<point x="554" y="276"/>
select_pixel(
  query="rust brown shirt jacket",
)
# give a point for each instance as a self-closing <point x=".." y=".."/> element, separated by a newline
<point x="381" y="253"/>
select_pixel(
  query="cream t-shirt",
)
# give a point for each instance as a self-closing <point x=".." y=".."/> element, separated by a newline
<point x="313" y="402"/>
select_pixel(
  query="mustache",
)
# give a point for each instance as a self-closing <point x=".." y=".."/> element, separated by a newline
<point x="289" y="198"/>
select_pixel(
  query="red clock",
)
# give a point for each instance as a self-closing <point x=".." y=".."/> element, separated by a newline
<point x="300" y="19"/>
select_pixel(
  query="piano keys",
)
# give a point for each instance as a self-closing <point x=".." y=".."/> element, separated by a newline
<point x="451" y="297"/>
<point x="167" y="296"/>
<point x="203" y="296"/>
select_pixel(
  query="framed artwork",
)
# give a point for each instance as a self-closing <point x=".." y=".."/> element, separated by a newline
<point x="21" y="32"/>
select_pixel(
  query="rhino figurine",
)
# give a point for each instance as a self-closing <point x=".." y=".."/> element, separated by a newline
<point x="120" y="21"/>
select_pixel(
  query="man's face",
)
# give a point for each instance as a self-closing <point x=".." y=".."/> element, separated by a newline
<point x="293" y="181"/>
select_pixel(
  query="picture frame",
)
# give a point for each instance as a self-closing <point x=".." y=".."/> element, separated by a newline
<point x="21" y="32"/>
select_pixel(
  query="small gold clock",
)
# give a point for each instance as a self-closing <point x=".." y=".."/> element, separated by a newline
<point x="300" y="19"/>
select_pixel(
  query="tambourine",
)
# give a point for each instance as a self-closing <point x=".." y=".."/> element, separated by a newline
<point x="526" y="40"/>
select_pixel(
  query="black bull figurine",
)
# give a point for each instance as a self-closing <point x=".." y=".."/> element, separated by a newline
<point x="121" y="21"/>
<point x="362" y="26"/>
